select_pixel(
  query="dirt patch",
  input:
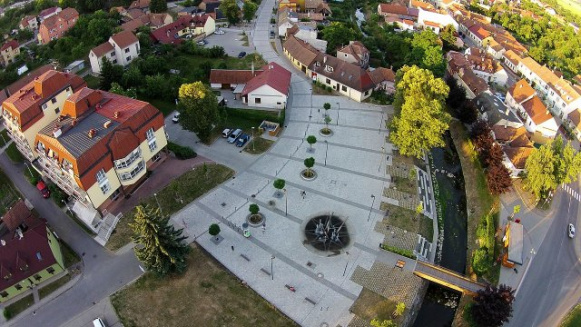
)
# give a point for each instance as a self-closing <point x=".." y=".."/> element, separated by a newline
<point x="205" y="295"/>
<point x="370" y="305"/>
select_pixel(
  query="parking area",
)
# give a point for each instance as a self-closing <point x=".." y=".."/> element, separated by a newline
<point x="231" y="41"/>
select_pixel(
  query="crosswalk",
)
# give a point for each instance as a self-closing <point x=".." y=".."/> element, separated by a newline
<point x="571" y="192"/>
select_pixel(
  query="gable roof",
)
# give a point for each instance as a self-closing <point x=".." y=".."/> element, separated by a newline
<point x="346" y="73"/>
<point x="518" y="155"/>
<point x="480" y="32"/>
<point x="66" y="15"/>
<point x="537" y="110"/>
<point x="393" y="9"/>
<point x="382" y="74"/>
<point x="521" y="91"/>
<point x="132" y="25"/>
<point x="356" y="49"/>
<point x="512" y="57"/>
<point x="124" y="39"/>
<point x="575" y="117"/>
<point x="274" y="76"/>
<point x="226" y="76"/>
<point x="19" y="215"/>
<point x="10" y="44"/>
<point x="102" y="49"/>
<point x="140" y="4"/>
<point x="48" y="11"/>
<point x="300" y="50"/>
<point x="14" y="87"/>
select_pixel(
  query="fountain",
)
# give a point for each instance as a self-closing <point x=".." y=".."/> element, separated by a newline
<point x="326" y="234"/>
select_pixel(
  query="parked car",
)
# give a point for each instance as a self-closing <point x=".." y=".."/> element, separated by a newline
<point x="226" y="132"/>
<point x="202" y="42"/>
<point x="176" y="118"/>
<point x="99" y="323"/>
<point x="241" y="55"/>
<point x="41" y="187"/>
<point x="571" y="231"/>
<point x="242" y="140"/>
<point x="272" y="34"/>
<point x="219" y="32"/>
<point x="234" y="136"/>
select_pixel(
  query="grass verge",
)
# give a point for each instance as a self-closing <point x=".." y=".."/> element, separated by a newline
<point x="179" y="193"/>
<point x="405" y="185"/>
<point x="17" y="307"/>
<point x="8" y="194"/>
<point x="370" y="305"/>
<point x="573" y="319"/>
<point x="92" y="81"/>
<point x="69" y="255"/>
<point x="206" y="294"/>
<point x="4" y="138"/>
<point x="404" y="219"/>
<point x="258" y="145"/>
<point x="244" y="119"/>
<point x="13" y="153"/>
<point x="48" y="289"/>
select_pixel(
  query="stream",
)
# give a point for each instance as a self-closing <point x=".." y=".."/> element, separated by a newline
<point x="440" y="303"/>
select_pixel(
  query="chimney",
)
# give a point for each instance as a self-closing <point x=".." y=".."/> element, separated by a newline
<point x="116" y="114"/>
<point x="74" y="122"/>
<point x="19" y="232"/>
<point x="56" y="132"/>
<point x="325" y="59"/>
<point x="92" y="132"/>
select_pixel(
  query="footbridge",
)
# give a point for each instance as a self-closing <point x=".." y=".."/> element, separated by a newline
<point x="447" y="277"/>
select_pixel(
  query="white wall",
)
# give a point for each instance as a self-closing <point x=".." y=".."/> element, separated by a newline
<point x="126" y="55"/>
<point x="269" y="98"/>
<point x="436" y="18"/>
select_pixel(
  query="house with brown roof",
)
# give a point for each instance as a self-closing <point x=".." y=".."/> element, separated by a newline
<point x="269" y="89"/>
<point x="460" y="68"/>
<point x="49" y="12"/>
<point x="121" y="49"/>
<point x="511" y="60"/>
<point x="56" y="26"/>
<point x="574" y="123"/>
<point x="346" y="78"/>
<point x="523" y="99"/>
<point x="30" y="253"/>
<point x="384" y="79"/>
<point x="486" y="67"/>
<point x="9" y="51"/>
<point x="478" y="34"/>
<point x="186" y="26"/>
<point x="35" y="105"/>
<point x="100" y="147"/>
<point x="140" y="4"/>
<point x="231" y="78"/>
<point x="396" y="11"/>
<point x="307" y="31"/>
<point x="356" y="53"/>
<point x="515" y="159"/>
<point x="28" y="22"/>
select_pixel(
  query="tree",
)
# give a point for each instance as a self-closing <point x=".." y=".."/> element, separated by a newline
<point x="337" y="34"/>
<point x="420" y="120"/>
<point x="249" y="10"/>
<point x="118" y="89"/>
<point x="493" y="155"/>
<point x="515" y="210"/>
<point x="493" y="306"/>
<point x="279" y="185"/>
<point x="199" y="109"/>
<point x="309" y="163"/>
<point x="480" y="127"/>
<point x="467" y="113"/>
<point x="157" y="6"/>
<point x="399" y="309"/>
<point x="160" y="246"/>
<point x="109" y="73"/>
<point x="89" y="6"/>
<point x="382" y="323"/>
<point x="214" y="230"/>
<point x="254" y="208"/>
<point x="498" y="178"/>
<point x="311" y="139"/>
<point x="457" y="94"/>
<point x="230" y="9"/>
<point x="448" y="36"/>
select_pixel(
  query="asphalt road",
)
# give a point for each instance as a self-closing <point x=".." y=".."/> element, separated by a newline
<point x="103" y="272"/>
<point x="552" y="285"/>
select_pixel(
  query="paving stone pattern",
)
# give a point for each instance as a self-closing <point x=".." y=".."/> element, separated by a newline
<point x="397" y="237"/>
<point x="390" y="282"/>
<point x="405" y="200"/>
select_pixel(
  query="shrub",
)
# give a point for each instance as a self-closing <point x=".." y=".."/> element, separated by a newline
<point x="272" y="21"/>
<point x="181" y="152"/>
<point x="253" y="208"/>
<point x="214" y="229"/>
<point x="405" y="253"/>
<point x="57" y="194"/>
<point x="481" y="261"/>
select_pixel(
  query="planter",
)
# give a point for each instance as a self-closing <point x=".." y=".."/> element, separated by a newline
<point x="308" y="175"/>
<point x="256" y="220"/>
<point x="326" y="131"/>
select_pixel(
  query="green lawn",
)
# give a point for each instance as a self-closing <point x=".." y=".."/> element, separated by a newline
<point x="573" y="319"/>
<point x="13" y="153"/>
<point x="92" y="81"/>
<point x="258" y="145"/>
<point x="4" y="138"/>
<point x="179" y="193"/>
<point x="404" y="219"/>
<point x="8" y="194"/>
<point x="189" y="64"/>
<point x="166" y="107"/>
<point x="205" y="295"/>
<point x="18" y="306"/>
<point x="48" y="289"/>
<point x="244" y="119"/>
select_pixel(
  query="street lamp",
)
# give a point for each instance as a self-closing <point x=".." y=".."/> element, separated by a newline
<point x="338" y="110"/>
<point x="382" y="157"/>
<point x="158" y="205"/>
<point x="326" y="151"/>
<point x="371" y="207"/>
<point x="253" y="139"/>
<point x="286" y="202"/>
<point x="271" y="267"/>
<point x="30" y="171"/>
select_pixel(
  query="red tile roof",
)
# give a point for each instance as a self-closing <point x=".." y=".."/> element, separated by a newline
<point x="480" y="32"/>
<point x="102" y="49"/>
<point x="226" y="76"/>
<point x="168" y="34"/>
<point x="382" y="74"/>
<point x="124" y="39"/>
<point x="537" y="110"/>
<point x="14" y="87"/>
<point x="274" y="76"/>
<point x="47" y="12"/>
<point x="10" y="44"/>
<point x="521" y="91"/>
<point x="518" y="156"/>
<point x="385" y="8"/>
<point x="17" y="215"/>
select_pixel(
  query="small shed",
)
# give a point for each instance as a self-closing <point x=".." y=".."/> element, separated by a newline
<point x="75" y="66"/>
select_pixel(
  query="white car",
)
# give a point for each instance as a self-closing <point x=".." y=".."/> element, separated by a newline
<point x="219" y="32"/>
<point x="571" y="231"/>
<point x="176" y="118"/>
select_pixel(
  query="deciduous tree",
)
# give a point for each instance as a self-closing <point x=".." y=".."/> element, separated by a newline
<point x="230" y="9"/>
<point x="109" y="73"/>
<point x="337" y="34"/>
<point x="157" y="6"/>
<point x="199" y="109"/>
<point x="493" y="306"/>
<point x="420" y="120"/>
<point x="311" y="139"/>
<point x="160" y="246"/>
<point x="498" y="178"/>
<point x="249" y="10"/>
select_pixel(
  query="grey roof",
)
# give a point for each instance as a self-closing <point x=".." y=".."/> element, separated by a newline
<point x="515" y="246"/>
<point x="75" y="139"/>
<point x="495" y="109"/>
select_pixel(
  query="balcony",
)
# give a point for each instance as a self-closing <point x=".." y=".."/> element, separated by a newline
<point x="63" y="179"/>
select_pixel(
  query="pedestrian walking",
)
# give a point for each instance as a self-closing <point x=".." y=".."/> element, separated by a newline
<point x="303" y="193"/>
<point x="232" y="247"/>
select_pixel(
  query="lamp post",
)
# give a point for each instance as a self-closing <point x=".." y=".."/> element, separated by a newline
<point x="371" y="207"/>
<point x="253" y="139"/>
<point x="285" y="202"/>
<point x="326" y="151"/>
<point x="382" y="157"/>
<point x="30" y="171"/>
<point x="271" y="267"/>
<point x="157" y="201"/>
<point x="380" y="122"/>
<point x="338" y="110"/>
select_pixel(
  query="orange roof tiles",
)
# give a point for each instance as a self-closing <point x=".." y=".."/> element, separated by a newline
<point x="521" y="91"/>
<point x="537" y="110"/>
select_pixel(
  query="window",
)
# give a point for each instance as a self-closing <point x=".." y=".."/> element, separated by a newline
<point x="156" y="157"/>
<point x="115" y="194"/>
<point x="115" y="62"/>
<point x="57" y="110"/>
<point x="150" y="134"/>
<point x="152" y="145"/>
<point x="103" y="181"/>
<point x="127" y="50"/>
<point x="343" y="88"/>
<point x="134" y="172"/>
<point x="112" y="54"/>
<point x="129" y="159"/>
<point x="44" y="106"/>
<point x="128" y="58"/>
<point x="50" y="270"/>
<point x="257" y="100"/>
<point x="328" y="81"/>
<point x="53" y="100"/>
<point x="367" y="92"/>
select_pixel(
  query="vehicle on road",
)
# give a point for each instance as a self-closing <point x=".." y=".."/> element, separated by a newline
<point x="242" y="140"/>
<point x="234" y="136"/>
<point x="241" y="55"/>
<point x="41" y="187"/>
<point x="226" y="132"/>
<point x="202" y="42"/>
<point x="571" y="231"/>
<point x="272" y="34"/>
<point x="219" y="32"/>
<point x="99" y="323"/>
<point x="176" y="118"/>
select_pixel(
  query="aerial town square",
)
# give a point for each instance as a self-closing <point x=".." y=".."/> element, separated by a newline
<point x="313" y="163"/>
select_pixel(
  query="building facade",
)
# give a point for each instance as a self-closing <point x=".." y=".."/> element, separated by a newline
<point x="121" y="49"/>
<point x="56" y="26"/>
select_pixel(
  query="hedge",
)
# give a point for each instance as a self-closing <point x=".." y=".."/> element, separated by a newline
<point x="181" y="152"/>
<point x="405" y="253"/>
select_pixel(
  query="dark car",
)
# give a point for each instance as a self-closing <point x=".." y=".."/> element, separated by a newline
<point x="242" y="140"/>
<point x="41" y="187"/>
<point x="241" y="55"/>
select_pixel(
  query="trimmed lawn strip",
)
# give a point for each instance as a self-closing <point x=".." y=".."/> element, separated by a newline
<point x="370" y="305"/>
<point x="244" y="119"/>
<point x="179" y="193"/>
<point x="17" y="307"/>
<point x="258" y="145"/>
<point x="206" y="294"/>
<point x="48" y="289"/>
<point x="8" y="194"/>
<point x="70" y="257"/>
<point x="573" y="319"/>
<point x="13" y="153"/>
<point x="479" y="201"/>
<point x="403" y="218"/>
